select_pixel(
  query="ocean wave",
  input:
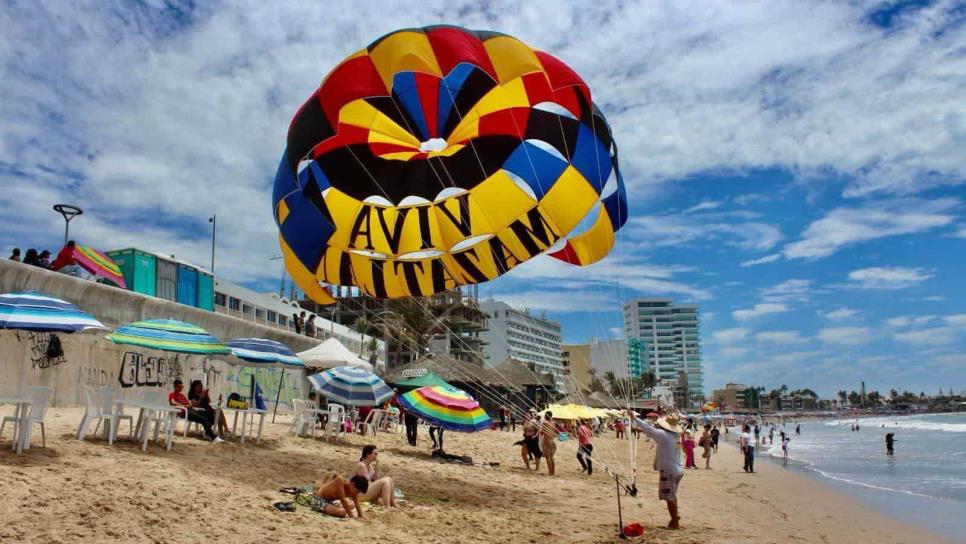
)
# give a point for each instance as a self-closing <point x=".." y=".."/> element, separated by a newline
<point x="903" y="423"/>
<point x="870" y="486"/>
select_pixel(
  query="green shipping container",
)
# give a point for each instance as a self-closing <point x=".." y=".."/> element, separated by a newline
<point x="206" y="291"/>
<point x="138" y="268"/>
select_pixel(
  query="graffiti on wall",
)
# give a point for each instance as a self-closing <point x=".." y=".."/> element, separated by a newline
<point x="94" y="377"/>
<point x="39" y="342"/>
<point x="136" y="369"/>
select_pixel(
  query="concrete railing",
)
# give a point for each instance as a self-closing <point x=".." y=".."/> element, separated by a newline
<point x="91" y="359"/>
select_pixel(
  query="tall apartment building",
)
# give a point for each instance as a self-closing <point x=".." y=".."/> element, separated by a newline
<point x="519" y="335"/>
<point x="671" y="334"/>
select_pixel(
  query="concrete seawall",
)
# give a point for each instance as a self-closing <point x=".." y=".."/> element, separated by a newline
<point x="90" y="359"/>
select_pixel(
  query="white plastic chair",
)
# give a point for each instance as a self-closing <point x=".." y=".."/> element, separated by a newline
<point x="374" y="421"/>
<point x="99" y="404"/>
<point x="40" y="399"/>
<point x="334" y="422"/>
<point x="303" y="421"/>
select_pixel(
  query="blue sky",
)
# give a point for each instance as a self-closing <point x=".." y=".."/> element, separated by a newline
<point x="795" y="168"/>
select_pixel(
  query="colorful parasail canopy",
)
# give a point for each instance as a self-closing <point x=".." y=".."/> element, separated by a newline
<point x="451" y="408"/>
<point x="169" y="335"/>
<point x="352" y="386"/>
<point x="442" y="156"/>
<point x="34" y="311"/>
<point x="98" y="264"/>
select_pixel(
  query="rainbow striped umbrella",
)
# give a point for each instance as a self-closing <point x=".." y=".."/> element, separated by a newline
<point x="98" y="264"/>
<point x="448" y="407"/>
<point x="169" y="335"/>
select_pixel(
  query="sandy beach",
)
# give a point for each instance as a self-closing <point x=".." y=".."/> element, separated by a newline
<point x="203" y="492"/>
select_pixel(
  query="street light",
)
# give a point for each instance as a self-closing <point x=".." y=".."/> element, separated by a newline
<point x="214" y="224"/>
<point x="69" y="211"/>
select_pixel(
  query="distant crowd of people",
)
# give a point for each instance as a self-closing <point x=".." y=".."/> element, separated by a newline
<point x="64" y="263"/>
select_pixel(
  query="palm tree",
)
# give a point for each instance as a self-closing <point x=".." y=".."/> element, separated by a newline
<point x="362" y="326"/>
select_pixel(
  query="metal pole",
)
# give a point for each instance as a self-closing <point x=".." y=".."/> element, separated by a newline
<point x="214" y="227"/>
<point x="620" y="514"/>
<point x="278" y="395"/>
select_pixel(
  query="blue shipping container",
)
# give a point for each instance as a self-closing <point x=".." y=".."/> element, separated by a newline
<point x="187" y="285"/>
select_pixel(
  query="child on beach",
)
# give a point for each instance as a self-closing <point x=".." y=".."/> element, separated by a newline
<point x="706" y="441"/>
<point x="688" y="445"/>
<point x="785" y="441"/>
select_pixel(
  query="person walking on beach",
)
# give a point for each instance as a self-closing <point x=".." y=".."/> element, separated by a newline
<point x="798" y="428"/>
<point x="665" y="432"/>
<point x="412" y="425"/>
<point x="747" y="443"/>
<point x="585" y="450"/>
<point x="705" y="441"/>
<point x="619" y="427"/>
<point x="771" y="435"/>
<point x="548" y="437"/>
<point x="757" y="434"/>
<point x="687" y="444"/>
<point x="785" y="441"/>
<point x="890" y="439"/>
<point x="530" y="446"/>
<point x="503" y="414"/>
<point x="715" y="435"/>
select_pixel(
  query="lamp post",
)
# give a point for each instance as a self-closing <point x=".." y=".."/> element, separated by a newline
<point x="214" y="226"/>
<point x="69" y="212"/>
<point x="281" y="280"/>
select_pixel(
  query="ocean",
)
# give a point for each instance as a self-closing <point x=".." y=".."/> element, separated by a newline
<point x="924" y="483"/>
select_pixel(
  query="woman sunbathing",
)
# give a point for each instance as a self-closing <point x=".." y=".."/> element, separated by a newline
<point x="381" y="490"/>
<point x="336" y="491"/>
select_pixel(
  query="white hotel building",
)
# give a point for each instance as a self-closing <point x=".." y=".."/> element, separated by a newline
<point x="519" y="335"/>
<point x="671" y="334"/>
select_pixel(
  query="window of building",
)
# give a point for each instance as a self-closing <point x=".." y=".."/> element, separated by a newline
<point x="283" y="320"/>
<point x="247" y="309"/>
<point x="272" y="316"/>
<point x="234" y="304"/>
<point x="259" y="313"/>
<point x="220" y="299"/>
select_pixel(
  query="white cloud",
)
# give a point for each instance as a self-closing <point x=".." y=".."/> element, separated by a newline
<point x="763" y="260"/>
<point x="957" y="360"/>
<point x="728" y="336"/>
<point x="780" y="337"/>
<point x="844" y="227"/>
<point x="704" y="205"/>
<point x="794" y="290"/>
<point x="841" y="314"/>
<point x="896" y="277"/>
<point x="928" y="330"/>
<point x="736" y="229"/>
<point x="732" y="352"/>
<point x="845" y="336"/>
<point x="759" y="310"/>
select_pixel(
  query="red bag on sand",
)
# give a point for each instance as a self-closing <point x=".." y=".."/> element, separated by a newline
<point x="633" y="529"/>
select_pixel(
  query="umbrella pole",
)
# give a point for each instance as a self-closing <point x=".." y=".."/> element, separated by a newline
<point x="278" y="395"/>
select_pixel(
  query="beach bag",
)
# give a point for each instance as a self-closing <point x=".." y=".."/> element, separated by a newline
<point x="54" y="348"/>
<point x="235" y="401"/>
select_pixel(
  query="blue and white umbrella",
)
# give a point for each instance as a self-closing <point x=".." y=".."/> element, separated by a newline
<point x="264" y="352"/>
<point x="33" y="311"/>
<point x="351" y="386"/>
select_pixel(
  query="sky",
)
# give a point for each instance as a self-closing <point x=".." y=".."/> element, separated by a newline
<point x="797" y="169"/>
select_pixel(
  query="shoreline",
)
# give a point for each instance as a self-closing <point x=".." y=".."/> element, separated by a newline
<point x="805" y="485"/>
<point x="202" y="492"/>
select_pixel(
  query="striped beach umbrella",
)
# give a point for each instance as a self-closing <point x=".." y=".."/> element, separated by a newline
<point x="264" y="352"/>
<point x="448" y="407"/>
<point x="169" y="335"/>
<point x="33" y="311"/>
<point x="352" y="386"/>
<point x="98" y="264"/>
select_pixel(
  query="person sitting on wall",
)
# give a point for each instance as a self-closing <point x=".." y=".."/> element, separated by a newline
<point x="65" y="262"/>
<point x="199" y="398"/>
<point x="177" y="399"/>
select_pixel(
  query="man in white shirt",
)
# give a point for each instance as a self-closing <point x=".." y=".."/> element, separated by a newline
<point x="666" y="434"/>
<point x="746" y="441"/>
